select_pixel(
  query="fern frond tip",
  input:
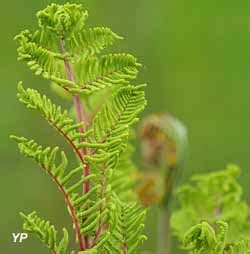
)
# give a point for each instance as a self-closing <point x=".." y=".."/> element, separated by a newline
<point x="62" y="18"/>
<point x="18" y="139"/>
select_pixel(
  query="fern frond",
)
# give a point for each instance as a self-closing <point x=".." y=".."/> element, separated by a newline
<point x="123" y="178"/>
<point x="201" y="238"/>
<point x="43" y="61"/>
<point x="126" y="228"/>
<point x="92" y="74"/>
<point x="111" y="125"/>
<point x="95" y="73"/>
<point x="109" y="139"/>
<point x="120" y="112"/>
<point x="64" y="19"/>
<point x="64" y="52"/>
<point x="55" y="116"/>
<point x="206" y="239"/>
<point x="45" y="232"/>
<point x="211" y="198"/>
<point x="91" y="41"/>
<point x="85" y="212"/>
<point x="46" y="158"/>
<point x="134" y="217"/>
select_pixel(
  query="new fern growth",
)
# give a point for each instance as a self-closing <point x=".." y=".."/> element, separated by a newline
<point x="101" y="202"/>
<point x="213" y="218"/>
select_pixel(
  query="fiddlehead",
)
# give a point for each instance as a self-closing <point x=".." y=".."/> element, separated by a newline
<point x="164" y="148"/>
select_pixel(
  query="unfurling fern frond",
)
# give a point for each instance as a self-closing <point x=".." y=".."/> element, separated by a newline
<point x="66" y="53"/>
<point x="62" y="20"/>
<point x="216" y="200"/>
<point x="206" y="239"/>
<point x="46" y="233"/>
<point x="200" y="237"/>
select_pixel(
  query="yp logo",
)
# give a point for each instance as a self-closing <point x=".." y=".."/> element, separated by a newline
<point x="19" y="237"/>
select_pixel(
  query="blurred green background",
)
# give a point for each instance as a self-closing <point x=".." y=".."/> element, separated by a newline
<point x="196" y="58"/>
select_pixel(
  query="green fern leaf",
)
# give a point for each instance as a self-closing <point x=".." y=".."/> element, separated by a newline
<point x="56" y="117"/>
<point x="120" y="112"/>
<point x="211" y="198"/>
<point x="96" y="73"/>
<point x="46" y="232"/>
<point x="241" y="247"/>
<point x="92" y="41"/>
<point x="205" y="239"/>
<point x="58" y="24"/>
<point x="63" y="19"/>
<point x="110" y="132"/>
<point x="63" y="244"/>
<point x="64" y="52"/>
<point x="46" y="158"/>
<point x="125" y="229"/>
<point x="43" y="61"/>
<point x="123" y="178"/>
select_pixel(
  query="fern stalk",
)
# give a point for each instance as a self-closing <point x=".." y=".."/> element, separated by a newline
<point x="164" y="238"/>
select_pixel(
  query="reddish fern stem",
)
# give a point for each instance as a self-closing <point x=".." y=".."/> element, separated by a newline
<point x="69" y="140"/>
<point x="71" y="209"/>
<point x="80" y="118"/>
<point x="125" y="248"/>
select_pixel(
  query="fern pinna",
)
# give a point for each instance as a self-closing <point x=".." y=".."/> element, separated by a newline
<point x="103" y="207"/>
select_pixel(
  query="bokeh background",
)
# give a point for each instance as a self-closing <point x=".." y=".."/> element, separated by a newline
<point x="196" y="59"/>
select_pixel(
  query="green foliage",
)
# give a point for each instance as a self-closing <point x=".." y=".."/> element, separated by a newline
<point x="218" y="218"/>
<point x="46" y="232"/>
<point x="121" y="183"/>
<point x="205" y="239"/>
<point x="127" y="224"/>
<point x="98" y="191"/>
<point x="66" y="34"/>
<point x="62" y="19"/>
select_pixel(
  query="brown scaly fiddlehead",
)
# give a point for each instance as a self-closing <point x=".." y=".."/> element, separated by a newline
<point x="163" y="140"/>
